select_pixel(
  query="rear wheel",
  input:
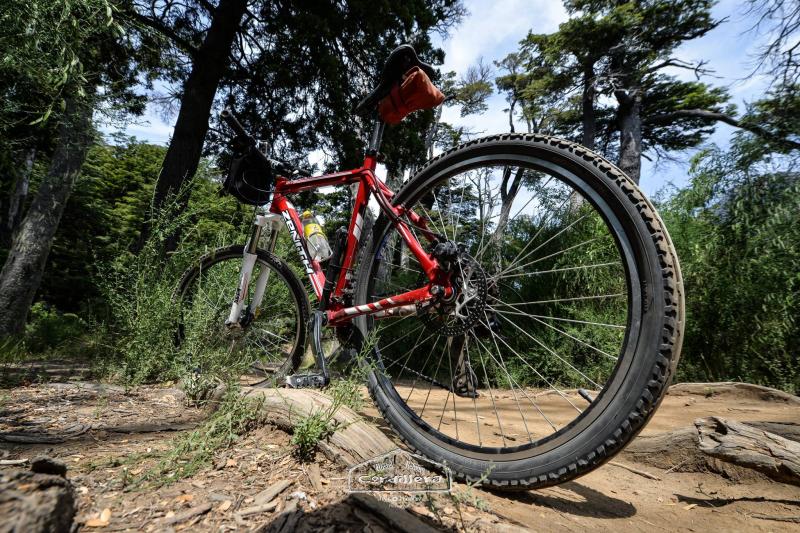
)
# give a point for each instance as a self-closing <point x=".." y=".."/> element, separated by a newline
<point x="566" y="324"/>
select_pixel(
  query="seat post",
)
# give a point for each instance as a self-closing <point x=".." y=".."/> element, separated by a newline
<point x="376" y="137"/>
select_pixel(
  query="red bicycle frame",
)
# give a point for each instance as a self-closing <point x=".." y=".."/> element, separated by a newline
<point x="337" y="313"/>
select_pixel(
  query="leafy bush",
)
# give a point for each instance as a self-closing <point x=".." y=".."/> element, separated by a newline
<point x="737" y="231"/>
<point x="49" y="329"/>
<point x="139" y="291"/>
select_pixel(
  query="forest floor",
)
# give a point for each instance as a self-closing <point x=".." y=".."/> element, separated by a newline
<point x="108" y="437"/>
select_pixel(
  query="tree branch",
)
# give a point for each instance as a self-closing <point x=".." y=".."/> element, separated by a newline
<point x="208" y="6"/>
<point x="705" y="114"/>
<point x="166" y="31"/>
<point x="698" y="68"/>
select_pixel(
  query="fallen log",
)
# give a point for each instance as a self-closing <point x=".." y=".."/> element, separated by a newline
<point x="396" y="519"/>
<point x="38" y="500"/>
<point x="353" y="441"/>
<point x="767" y="450"/>
<point x="743" y="445"/>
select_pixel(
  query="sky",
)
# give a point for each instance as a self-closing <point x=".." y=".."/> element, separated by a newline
<point x="494" y="28"/>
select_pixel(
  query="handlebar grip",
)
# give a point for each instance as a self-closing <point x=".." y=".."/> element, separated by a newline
<point x="227" y="116"/>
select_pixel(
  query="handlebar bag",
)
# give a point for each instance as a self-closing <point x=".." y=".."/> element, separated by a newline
<point x="414" y="92"/>
<point x="250" y="178"/>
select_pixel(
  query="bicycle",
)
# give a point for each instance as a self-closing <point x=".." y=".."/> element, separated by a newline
<point x="519" y="298"/>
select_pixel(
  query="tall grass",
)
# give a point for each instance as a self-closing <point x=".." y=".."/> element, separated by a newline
<point x="144" y="314"/>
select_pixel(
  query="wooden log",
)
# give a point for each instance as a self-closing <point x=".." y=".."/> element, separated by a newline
<point x="354" y="439"/>
<point x="743" y="445"/>
<point x="679" y="451"/>
<point x="397" y="519"/>
<point x="676" y="450"/>
<point x="35" y="502"/>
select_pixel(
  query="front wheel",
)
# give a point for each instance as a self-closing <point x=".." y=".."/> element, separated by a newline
<point x="271" y="342"/>
<point x="565" y="327"/>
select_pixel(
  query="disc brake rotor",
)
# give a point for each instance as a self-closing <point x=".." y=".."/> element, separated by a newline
<point x="459" y="313"/>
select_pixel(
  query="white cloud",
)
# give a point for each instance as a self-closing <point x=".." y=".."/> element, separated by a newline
<point x="494" y="28"/>
<point x="490" y="32"/>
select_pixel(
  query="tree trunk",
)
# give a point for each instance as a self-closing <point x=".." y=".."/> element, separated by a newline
<point x="587" y="104"/>
<point x="511" y="105"/>
<point x="629" y="122"/>
<point x="23" y="269"/>
<point x="199" y="90"/>
<point x="18" y="196"/>
<point x="508" y="192"/>
<point x="430" y="136"/>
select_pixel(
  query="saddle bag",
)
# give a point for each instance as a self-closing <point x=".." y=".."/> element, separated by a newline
<point x="250" y="178"/>
<point x="414" y="92"/>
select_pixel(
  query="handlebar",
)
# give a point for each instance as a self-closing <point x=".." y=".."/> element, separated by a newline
<point x="282" y="167"/>
<point x="234" y="124"/>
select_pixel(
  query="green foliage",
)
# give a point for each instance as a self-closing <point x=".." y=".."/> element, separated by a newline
<point x="50" y="329"/>
<point x="737" y="231"/>
<point x="309" y="431"/>
<point x="614" y="50"/>
<point x="139" y="292"/>
<point x="43" y="53"/>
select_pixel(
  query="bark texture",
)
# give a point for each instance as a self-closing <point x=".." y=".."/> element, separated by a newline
<point x="208" y="67"/>
<point x="23" y="269"/>
<point x="18" y="196"/>
<point x="354" y="440"/>
<point x="629" y="122"/>
<point x="35" y="502"/>
<point x="743" y="445"/>
<point x="733" y="449"/>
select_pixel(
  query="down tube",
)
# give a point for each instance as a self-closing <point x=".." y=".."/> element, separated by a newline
<point x="295" y="226"/>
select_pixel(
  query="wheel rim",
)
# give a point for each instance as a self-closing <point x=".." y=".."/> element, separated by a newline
<point x="267" y="343"/>
<point x="558" y="208"/>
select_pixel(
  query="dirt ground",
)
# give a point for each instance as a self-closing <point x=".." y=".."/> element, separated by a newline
<point x="97" y="429"/>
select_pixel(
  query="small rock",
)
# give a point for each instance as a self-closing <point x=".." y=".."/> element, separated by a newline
<point x="298" y="495"/>
<point x="48" y="465"/>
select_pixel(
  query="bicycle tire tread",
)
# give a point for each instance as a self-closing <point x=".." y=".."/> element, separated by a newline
<point x="671" y="334"/>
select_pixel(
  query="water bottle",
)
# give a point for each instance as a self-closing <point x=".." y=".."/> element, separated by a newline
<point x="318" y="245"/>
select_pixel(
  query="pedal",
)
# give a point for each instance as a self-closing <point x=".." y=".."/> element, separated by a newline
<point x="306" y="381"/>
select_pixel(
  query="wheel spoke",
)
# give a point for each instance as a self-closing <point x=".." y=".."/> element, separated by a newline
<point x="554" y="270"/>
<point x="563" y="230"/>
<point x="551" y="351"/>
<point x="533" y="402"/>
<point x="535" y="250"/>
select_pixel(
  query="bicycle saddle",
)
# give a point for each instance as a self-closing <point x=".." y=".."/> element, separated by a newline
<point x="399" y="61"/>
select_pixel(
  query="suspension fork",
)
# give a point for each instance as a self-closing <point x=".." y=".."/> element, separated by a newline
<point x="249" y="258"/>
